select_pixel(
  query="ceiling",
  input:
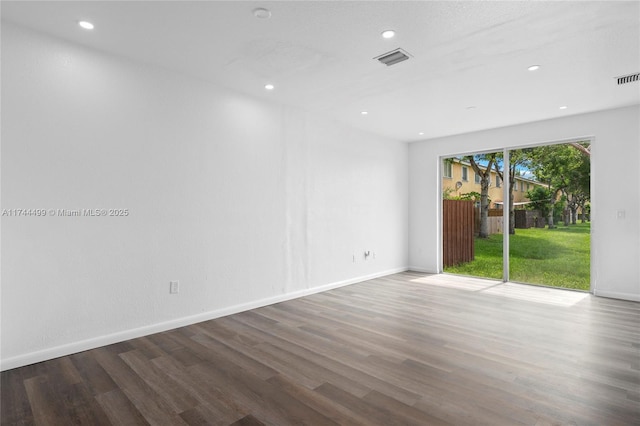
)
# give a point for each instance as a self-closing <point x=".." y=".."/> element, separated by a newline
<point x="468" y="71"/>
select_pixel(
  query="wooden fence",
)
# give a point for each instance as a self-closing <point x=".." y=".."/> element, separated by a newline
<point x="528" y="219"/>
<point x="494" y="221"/>
<point x="457" y="232"/>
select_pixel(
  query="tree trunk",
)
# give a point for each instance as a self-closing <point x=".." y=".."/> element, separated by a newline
<point x="552" y="205"/>
<point x="485" y="180"/>
<point x="574" y="214"/>
<point x="512" y="214"/>
<point x="484" y="209"/>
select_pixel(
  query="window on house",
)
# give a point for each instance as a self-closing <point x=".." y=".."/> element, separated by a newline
<point x="522" y="186"/>
<point x="498" y="181"/>
<point x="527" y="186"/>
<point x="478" y="178"/>
<point x="446" y="169"/>
<point x="515" y="186"/>
<point x="465" y="173"/>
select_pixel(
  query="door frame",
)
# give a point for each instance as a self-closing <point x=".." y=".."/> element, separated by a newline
<point x="506" y="184"/>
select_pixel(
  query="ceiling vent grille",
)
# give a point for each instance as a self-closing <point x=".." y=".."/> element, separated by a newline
<point x="628" y="78"/>
<point x="393" y="57"/>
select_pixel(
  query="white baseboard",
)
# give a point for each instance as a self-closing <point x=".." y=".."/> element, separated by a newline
<point x="419" y="269"/>
<point x="617" y="295"/>
<point x="96" y="342"/>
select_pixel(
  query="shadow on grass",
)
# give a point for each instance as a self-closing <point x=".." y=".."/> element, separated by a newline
<point x="578" y="228"/>
<point x="534" y="247"/>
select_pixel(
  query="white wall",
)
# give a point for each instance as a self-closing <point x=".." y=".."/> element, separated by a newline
<point x="615" y="187"/>
<point x="245" y="202"/>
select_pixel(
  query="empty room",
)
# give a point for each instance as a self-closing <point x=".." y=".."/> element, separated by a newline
<point x="320" y="213"/>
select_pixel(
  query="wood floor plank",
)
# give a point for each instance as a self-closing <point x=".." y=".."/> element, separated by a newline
<point x="119" y="409"/>
<point x="168" y="389"/>
<point x="92" y="373"/>
<point x="82" y="406"/>
<point x="248" y="421"/>
<point x="46" y="407"/>
<point x="403" y="413"/>
<point x="408" y="348"/>
<point x="385" y="414"/>
<point x="148" y="348"/>
<point x="211" y="349"/>
<point x="153" y="407"/>
<point x="15" y="407"/>
<point x="213" y="403"/>
<point x="346" y="370"/>
<point x="203" y="416"/>
<point x="336" y="412"/>
<point x="266" y="402"/>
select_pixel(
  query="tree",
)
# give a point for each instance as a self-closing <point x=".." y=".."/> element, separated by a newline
<point x="584" y="148"/>
<point x="577" y="200"/>
<point x="566" y="170"/>
<point x="580" y="182"/>
<point x="518" y="159"/>
<point x="540" y="200"/>
<point x="485" y="181"/>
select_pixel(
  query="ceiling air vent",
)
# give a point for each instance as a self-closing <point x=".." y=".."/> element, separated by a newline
<point x="628" y="78"/>
<point x="393" y="57"/>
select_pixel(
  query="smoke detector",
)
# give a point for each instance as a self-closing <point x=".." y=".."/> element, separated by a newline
<point x="261" y="13"/>
<point x="393" y="57"/>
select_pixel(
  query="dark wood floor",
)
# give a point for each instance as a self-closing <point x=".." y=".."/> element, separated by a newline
<point x="399" y="350"/>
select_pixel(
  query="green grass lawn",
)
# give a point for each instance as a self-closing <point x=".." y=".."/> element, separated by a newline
<point x="555" y="257"/>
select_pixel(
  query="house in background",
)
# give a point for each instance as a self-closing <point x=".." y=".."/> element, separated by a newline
<point x="459" y="178"/>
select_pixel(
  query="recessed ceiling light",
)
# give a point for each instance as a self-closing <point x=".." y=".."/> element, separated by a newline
<point x="534" y="67"/>
<point x="388" y="34"/>
<point x="563" y="107"/>
<point x="472" y="107"/>
<point x="421" y="133"/>
<point x="269" y="86"/>
<point x="262" y="13"/>
<point x="86" y="25"/>
<point x="364" y="112"/>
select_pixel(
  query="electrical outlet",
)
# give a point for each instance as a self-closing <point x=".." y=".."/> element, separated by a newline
<point x="174" y="287"/>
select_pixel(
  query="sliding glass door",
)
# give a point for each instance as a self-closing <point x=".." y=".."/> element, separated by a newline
<point x="549" y="221"/>
<point x="519" y="215"/>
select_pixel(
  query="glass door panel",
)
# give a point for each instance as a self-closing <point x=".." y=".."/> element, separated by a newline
<point x="472" y="214"/>
<point x="549" y="223"/>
